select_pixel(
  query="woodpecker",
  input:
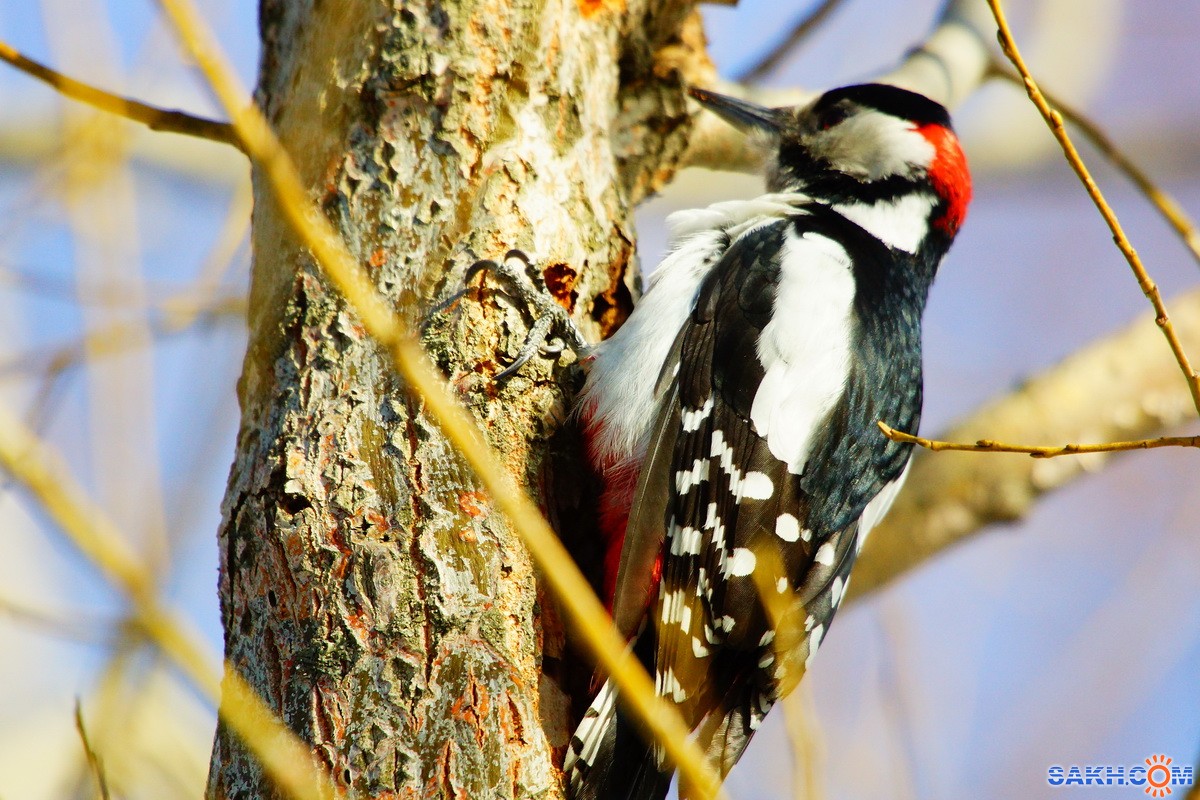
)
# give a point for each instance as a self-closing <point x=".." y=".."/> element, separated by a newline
<point x="733" y="418"/>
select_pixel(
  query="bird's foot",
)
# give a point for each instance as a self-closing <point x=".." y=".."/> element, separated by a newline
<point x="549" y="316"/>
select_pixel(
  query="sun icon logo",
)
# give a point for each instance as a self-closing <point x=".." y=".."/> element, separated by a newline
<point x="1158" y="776"/>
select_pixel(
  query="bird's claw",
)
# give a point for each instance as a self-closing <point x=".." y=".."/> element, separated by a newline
<point x="549" y="316"/>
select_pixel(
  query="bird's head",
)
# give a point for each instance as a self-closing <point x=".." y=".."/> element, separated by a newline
<point x="858" y="144"/>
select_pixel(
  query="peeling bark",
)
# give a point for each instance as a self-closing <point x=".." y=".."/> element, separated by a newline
<point x="368" y="590"/>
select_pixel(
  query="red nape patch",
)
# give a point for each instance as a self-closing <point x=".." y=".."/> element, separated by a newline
<point x="949" y="175"/>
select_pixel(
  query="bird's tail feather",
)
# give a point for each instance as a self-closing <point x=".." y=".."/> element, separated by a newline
<point x="609" y="759"/>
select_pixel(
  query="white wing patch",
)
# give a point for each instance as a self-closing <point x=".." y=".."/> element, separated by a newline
<point x="805" y="348"/>
<point x="621" y="383"/>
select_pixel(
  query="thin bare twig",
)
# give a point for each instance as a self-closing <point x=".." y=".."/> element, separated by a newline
<point x="1170" y="209"/>
<point x="153" y="117"/>
<point x="1037" y="451"/>
<point x="119" y="338"/>
<point x="93" y="760"/>
<point x="799" y="33"/>
<point x="1054" y="120"/>
<point x="559" y="571"/>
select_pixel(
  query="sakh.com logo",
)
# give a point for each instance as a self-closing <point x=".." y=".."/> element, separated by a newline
<point x="1157" y="774"/>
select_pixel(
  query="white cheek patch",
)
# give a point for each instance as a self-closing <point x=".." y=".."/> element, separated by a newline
<point x="872" y="145"/>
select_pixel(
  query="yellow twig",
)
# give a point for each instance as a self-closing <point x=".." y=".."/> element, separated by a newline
<point x="1162" y="200"/>
<point x="1036" y="451"/>
<point x="559" y="571"/>
<point x="284" y="757"/>
<point x="780" y="604"/>
<point x="154" y="118"/>
<point x="93" y="760"/>
<point x="1055" y="120"/>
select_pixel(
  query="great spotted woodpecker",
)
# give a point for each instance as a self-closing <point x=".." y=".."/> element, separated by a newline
<point x="733" y="417"/>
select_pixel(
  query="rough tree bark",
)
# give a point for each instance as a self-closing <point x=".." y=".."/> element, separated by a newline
<point x="367" y="590"/>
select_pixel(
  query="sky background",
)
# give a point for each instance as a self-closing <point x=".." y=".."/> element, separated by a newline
<point x="1071" y="638"/>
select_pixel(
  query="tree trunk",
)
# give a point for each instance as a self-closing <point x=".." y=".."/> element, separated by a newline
<point x="368" y="591"/>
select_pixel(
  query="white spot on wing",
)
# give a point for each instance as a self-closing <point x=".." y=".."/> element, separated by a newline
<point x="668" y="685"/>
<point x="787" y="527"/>
<point x="756" y="486"/>
<point x="691" y="419"/>
<point x="814" y="642"/>
<point x="684" y="541"/>
<point x="590" y="733"/>
<point x="740" y="563"/>
<point x="685" y="479"/>
<point x="835" y="591"/>
<point x="672" y="606"/>
<point x="824" y="554"/>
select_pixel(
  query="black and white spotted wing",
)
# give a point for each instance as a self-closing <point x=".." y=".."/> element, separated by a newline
<point x="738" y="498"/>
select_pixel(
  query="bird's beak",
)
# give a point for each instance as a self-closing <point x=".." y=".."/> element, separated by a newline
<point x="739" y="113"/>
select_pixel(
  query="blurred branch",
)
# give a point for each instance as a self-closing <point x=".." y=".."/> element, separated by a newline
<point x="41" y="472"/>
<point x="1125" y="386"/>
<point x="1037" y="451"/>
<point x="75" y="627"/>
<point x="93" y="760"/>
<point x="1054" y="119"/>
<point x="1174" y="214"/>
<point x="562" y="576"/>
<point x="946" y="67"/>
<point x="798" y="34"/>
<point x="119" y="337"/>
<point x="154" y="118"/>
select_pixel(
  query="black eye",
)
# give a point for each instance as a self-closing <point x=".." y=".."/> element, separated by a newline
<point x="832" y="116"/>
